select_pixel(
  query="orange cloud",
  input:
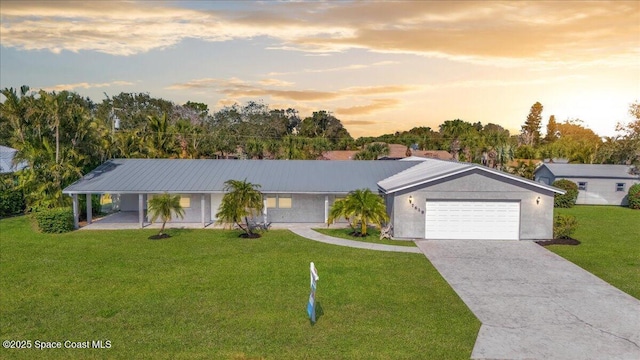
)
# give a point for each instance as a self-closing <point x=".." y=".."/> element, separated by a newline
<point x="563" y="31"/>
<point x="374" y="106"/>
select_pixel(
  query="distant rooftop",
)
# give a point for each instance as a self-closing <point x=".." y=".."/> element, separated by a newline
<point x="590" y="170"/>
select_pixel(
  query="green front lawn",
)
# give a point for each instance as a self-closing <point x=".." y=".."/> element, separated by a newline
<point x="209" y="294"/>
<point x="373" y="236"/>
<point x="610" y="247"/>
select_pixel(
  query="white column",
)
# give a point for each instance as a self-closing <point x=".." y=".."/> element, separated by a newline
<point x="89" y="210"/>
<point x="141" y="210"/>
<point x="326" y="208"/>
<point x="202" y="209"/>
<point x="76" y="211"/>
<point x="264" y="210"/>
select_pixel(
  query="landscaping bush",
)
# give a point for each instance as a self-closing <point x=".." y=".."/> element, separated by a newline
<point x="569" y="198"/>
<point x="564" y="226"/>
<point x="11" y="199"/>
<point x="634" y="196"/>
<point x="11" y="203"/>
<point x="55" y="220"/>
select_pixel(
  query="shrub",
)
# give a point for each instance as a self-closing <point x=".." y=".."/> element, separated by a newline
<point x="569" y="198"/>
<point x="11" y="203"/>
<point x="55" y="220"/>
<point x="634" y="196"/>
<point x="564" y="226"/>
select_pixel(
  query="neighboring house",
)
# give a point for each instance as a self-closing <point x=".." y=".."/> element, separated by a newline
<point x="598" y="184"/>
<point x="6" y="160"/>
<point x="425" y="199"/>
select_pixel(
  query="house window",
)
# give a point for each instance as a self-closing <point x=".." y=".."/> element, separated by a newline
<point x="582" y="185"/>
<point x="185" y="201"/>
<point x="619" y="186"/>
<point x="272" y="202"/>
<point x="284" y="201"/>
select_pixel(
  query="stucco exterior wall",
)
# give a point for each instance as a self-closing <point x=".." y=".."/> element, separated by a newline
<point x="304" y="208"/>
<point x="603" y="191"/>
<point x="129" y="202"/>
<point x="536" y="219"/>
<point x="600" y="191"/>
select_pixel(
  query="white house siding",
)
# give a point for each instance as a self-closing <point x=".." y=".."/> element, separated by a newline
<point x="536" y="218"/>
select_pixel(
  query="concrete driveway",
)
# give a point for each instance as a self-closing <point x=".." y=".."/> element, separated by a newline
<point x="534" y="304"/>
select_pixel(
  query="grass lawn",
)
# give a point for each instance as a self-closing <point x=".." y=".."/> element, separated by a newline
<point x="610" y="247"/>
<point x="208" y="294"/>
<point x="373" y="237"/>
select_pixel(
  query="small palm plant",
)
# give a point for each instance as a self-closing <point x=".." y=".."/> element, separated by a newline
<point x="241" y="200"/>
<point x="163" y="206"/>
<point x="361" y="207"/>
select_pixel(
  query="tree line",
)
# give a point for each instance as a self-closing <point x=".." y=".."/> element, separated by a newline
<point x="62" y="135"/>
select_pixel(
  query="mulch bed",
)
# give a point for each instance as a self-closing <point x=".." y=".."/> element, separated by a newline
<point x="159" y="237"/>
<point x="567" y="241"/>
<point x="249" y="236"/>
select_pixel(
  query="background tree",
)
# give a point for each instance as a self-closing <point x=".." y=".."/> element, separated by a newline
<point x="452" y="131"/>
<point x="323" y="124"/>
<point x="531" y="127"/>
<point x="241" y="200"/>
<point x="164" y="206"/>
<point x="363" y="207"/>
<point x="552" y="130"/>
<point x="372" y="151"/>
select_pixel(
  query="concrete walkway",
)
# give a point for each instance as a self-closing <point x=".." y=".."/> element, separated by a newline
<point x="534" y="304"/>
<point x="305" y="231"/>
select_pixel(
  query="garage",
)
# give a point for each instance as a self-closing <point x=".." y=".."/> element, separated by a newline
<point x="472" y="220"/>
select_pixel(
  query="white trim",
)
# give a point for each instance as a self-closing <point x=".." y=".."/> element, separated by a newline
<point x="471" y="168"/>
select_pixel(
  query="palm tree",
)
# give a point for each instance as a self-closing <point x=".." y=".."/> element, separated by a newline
<point x="361" y="206"/>
<point x="240" y="200"/>
<point x="162" y="206"/>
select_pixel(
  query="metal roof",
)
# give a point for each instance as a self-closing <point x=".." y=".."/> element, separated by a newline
<point x="431" y="170"/>
<point x="6" y="160"/>
<point x="590" y="171"/>
<point x="197" y="176"/>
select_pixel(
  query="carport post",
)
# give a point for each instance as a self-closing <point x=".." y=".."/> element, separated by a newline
<point x="202" y="209"/>
<point x="326" y="208"/>
<point x="76" y="211"/>
<point x="141" y="210"/>
<point x="264" y="210"/>
<point x="89" y="210"/>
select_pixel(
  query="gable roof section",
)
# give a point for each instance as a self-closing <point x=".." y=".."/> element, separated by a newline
<point x="605" y="171"/>
<point x="6" y="160"/>
<point x="207" y="176"/>
<point x="431" y="170"/>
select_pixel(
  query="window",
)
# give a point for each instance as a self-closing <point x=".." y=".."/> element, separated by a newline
<point x="284" y="201"/>
<point x="272" y="202"/>
<point x="582" y="186"/>
<point x="619" y="186"/>
<point x="185" y="201"/>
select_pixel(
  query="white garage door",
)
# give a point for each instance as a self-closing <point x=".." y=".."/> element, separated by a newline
<point x="472" y="220"/>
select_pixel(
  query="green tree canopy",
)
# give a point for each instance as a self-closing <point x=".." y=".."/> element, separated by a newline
<point x="361" y="207"/>
<point x="241" y="200"/>
<point x="164" y="206"/>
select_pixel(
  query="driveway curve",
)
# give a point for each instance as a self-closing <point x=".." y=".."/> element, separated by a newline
<point x="533" y="304"/>
<point x="307" y="232"/>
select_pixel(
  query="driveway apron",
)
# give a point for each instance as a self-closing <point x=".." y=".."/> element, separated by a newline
<point x="534" y="304"/>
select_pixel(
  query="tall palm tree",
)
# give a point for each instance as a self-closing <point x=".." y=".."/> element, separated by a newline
<point x="360" y="206"/>
<point x="241" y="200"/>
<point x="163" y="206"/>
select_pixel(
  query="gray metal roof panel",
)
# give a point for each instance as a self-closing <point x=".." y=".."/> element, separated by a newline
<point x="189" y="176"/>
<point x="591" y="170"/>
<point x="433" y="169"/>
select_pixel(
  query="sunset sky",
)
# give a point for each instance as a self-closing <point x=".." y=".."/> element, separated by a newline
<point x="378" y="66"/>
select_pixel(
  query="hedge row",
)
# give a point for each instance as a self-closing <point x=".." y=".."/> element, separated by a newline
<point x="55" y="220"/>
